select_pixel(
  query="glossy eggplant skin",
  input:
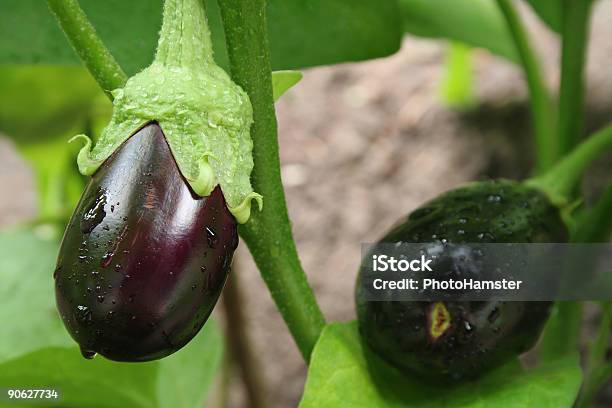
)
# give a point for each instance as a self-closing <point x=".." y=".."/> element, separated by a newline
<point x="143" y="260"/>
<point x="460" y="340"/>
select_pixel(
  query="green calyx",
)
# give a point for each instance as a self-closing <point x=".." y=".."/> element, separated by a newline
<point x="560" y="181"/>
<point x="205" y="117"/>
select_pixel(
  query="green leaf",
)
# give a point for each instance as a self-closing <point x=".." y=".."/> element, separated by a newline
<point x="343" y="373"/>
<point x="561" y="335"/>
<point x="186" y="377"/>
<point x="320" y="32"/>
<point x="549" y="11"/>
<point x="351" y="30"/>
<point x="28" y="312"/>
<point x="478" y="23"/>
<point x="81" y="383"/>
<point x="37" y="352"/>
<point x="182" y="380"/>
<point x="282" y="81"/>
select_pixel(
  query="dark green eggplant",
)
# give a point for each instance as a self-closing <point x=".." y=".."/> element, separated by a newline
<point x="463" y="339"/>
<point x="143" y="259"/>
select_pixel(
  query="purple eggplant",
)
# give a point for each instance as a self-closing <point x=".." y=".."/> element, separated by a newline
<point x="143" y="259"/>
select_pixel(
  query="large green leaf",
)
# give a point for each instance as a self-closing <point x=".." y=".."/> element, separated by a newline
<point x="478" y="23"/>
<point x="36" y="351"/>
<point x="182" y="380"/>
<point x="302" y="33"/>
<point x="549" y="11"/>
<point x="97" y="384"/>
<point x="343" y="373"/>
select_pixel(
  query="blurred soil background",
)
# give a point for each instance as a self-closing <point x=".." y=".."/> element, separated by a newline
<point x="361" y="146"/>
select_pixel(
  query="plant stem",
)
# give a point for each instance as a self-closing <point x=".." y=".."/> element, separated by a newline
<point x="598" y="349"/>
<point x="593" y="385"/>
<point x="239" y="341"/>
<point x="88" y="46"/>
<point x="596" y="223"/>
<point x="574" y="34"/>
<point x="542" y="108"/>
<point x="597" y="370"/>
<point x="184" y="39"/>
<point x="268" y="233"/>
<point x="560" y="181"/>
<point x="220" y="397"/>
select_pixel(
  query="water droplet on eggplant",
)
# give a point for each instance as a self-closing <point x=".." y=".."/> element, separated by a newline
<point x="88" y="354"/>
<point x="94" y="213"/>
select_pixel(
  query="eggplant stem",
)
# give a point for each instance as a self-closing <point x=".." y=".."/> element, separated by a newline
<point x="184" y="39"/>
<point x="574" y="38"/>
<point x="598" y="371"/>
<point x="239" y="342"/>
<point x="268" y="233"/>
<point x="561" y="180"/>
<point x="542" y="105"/>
